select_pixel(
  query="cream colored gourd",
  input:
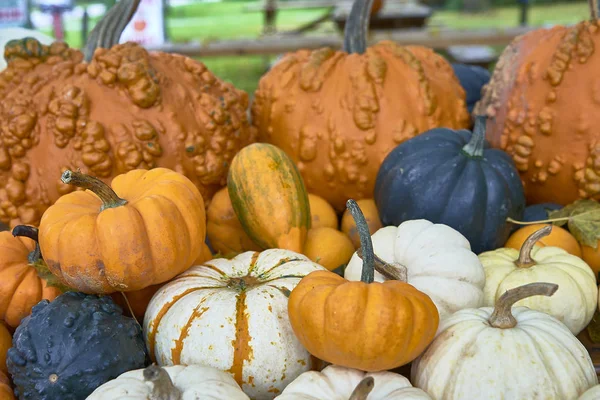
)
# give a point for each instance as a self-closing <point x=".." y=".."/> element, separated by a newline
<point x="438" y="261"/>
<point x="340" y="383"/>
<point x="591" y="394"/>
<point x="575" y="302"/>
<point x="171" y="383"/>
<point x="232" y="315"/>
<point x="499" y="354"/>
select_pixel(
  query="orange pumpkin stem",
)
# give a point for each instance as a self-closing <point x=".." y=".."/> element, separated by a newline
<point x="102" y="190"/>
<point x="108" y="30"/>
<point x="477" y="143"/>
<point x="525" y="260"/>
<point x="32" y="233"/>
<point x="357" y="27"/>
<point x="362" y="390"/>
<point x="366" y="245"/>
<point x="163" y="388"/>
<point x="593" y="9"/>
<point x="502" y="316"/>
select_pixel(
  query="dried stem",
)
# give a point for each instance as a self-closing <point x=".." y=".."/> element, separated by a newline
<point x="357" y="27"/>
<point x="393" y="271"/>
<point x="502" y="316"/>
<point x="368" y="269"/>
<point x="163" y="386"/>
<point x="362" y="390"/>
<point x="525" y="259"/>
<point x="102" y="190"/>
<point x="32" y="233"/>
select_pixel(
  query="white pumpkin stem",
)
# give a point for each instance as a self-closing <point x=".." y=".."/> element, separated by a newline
<point x="362" y="390"/>
<point x="502" y="317"/>
<point x="393" y="271"/>
<point x="368" y="268"/>
<point x="163" y="388"/>
<point x="525" y="260"/>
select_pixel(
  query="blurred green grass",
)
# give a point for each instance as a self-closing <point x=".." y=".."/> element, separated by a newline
<point x="227" y="20"/>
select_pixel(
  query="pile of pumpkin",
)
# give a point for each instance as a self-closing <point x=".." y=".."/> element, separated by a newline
<point x="109" y="287"/>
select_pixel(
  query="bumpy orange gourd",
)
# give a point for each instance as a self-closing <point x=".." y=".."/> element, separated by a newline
<point x="21" y="287"/>
<point x="366" y="325"/>
<point x="371" y="214"/>
<point x="5" y="344"/>
<point x="558" y="237"/>
<point x="148" y="228"/>
<point x="328" y="247"/>
<point x="321" y="213"/>
<point x="339" y="113"/>
<point x="125" y="109"/>
<point x="544" y="102"/>
<point x="223" y="228"/>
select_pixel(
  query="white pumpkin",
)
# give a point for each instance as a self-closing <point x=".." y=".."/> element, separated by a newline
<point x="575" y="302"/>
<point x="339" y="383"/>
<point x="591" y="394"/>
<point x="438" y="261"/>
<point x="8" y="34"/>
<point x="232" y="315"/>
<point x="175" y="382"/>
<point x="493" y="354"/>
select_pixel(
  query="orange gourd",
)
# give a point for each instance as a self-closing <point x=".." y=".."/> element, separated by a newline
<point x="321" y="213"/>
<point x="371" y="214"/>
<point x="122" y="108"/>
<point x="21" y="287"/>
<point x="223" y="228"/>
<point x="6" y="392"/>
<point x="366" y="325"/>
<point x="558" y="237"/>
<point x="592" y="257"/>
<point x="5" y="344"/>
<point x="339" y="113"/>
<point x="543" y="100"/>
<point x="328" y="247"/>
<point x="146" y="229"/>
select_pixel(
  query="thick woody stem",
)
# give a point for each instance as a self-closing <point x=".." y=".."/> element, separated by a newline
<point x="394" y="271"/>
<point x="502" y="316"/>
<point x="102" y="190"/>
<point x="31" y="233"/>
<point x="525" y="260"/>
<point x="362" y="390"/>
<point x="357" y="27"/>
<point x="163" y="386"/>
<point x="368" y="269"/>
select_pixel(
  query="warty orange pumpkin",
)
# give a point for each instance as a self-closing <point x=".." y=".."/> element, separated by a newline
<point x="339" y="113"/>
<point x="22" y="275"/>
<point x="120" y="108"/>
<point x="543" y="100"/>
<point x="366" y="325"/>
<point x="146" y="229"/>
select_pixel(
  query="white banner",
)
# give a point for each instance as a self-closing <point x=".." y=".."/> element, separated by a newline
<point x="146" y="26"/>
<point x="13" y="13"/>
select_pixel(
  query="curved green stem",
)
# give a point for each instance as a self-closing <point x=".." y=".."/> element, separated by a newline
<point x="366" y="245"/>
<point x="357" y="27"/>
<point x="477" y="143"/>
<point x="108" y="30"/>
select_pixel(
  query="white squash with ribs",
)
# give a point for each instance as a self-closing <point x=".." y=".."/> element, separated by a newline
<point x="232" y="315"/>
<point x="438" y="261"/>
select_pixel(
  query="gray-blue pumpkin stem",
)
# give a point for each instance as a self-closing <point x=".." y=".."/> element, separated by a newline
<point x="357" y="27"/>
<point x="368" y="256"/>
<point x="477" y="143"/>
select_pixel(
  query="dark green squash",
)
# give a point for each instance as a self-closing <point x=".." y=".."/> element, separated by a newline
<point x="453" y="178"/>
<point x="68" y="347"/>
<point x="472" y="78"/>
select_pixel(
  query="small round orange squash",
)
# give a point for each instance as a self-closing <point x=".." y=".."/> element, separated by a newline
<point x="592" y="257"/>
<point x="6" y="392"/>
<point x="321" y="213"/>
<point x="366" y="325"/>
<point x="146" y="229"/>
<point x="558" y="237"/>
<point x="5" y="344"/>
<point x="223" y="228"/>
<point x="371" y="214"/>
<point x="328" y="247"/>
<point x="21" y="287"/>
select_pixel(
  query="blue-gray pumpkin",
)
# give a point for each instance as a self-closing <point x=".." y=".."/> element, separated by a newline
<point x="453" y="178"/>
<point x="472" y="78"/>
<point x="66" y="348"/>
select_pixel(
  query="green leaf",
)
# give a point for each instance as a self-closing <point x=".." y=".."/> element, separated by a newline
<point x="51" y="279"/>
<point x="583" y="218"/>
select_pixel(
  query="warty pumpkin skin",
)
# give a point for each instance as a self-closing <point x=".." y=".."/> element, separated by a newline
<point x="502" y="353"/>
<point x="452" y="178"/>
<point x="144" y="231"/>
<point x="171" y="383"/>
<point x="20" y="285"/>
<point x="339" y="383"/>
<point x="575" y="301"/>
<point x="365" y="325"/>
<point x="543" y="107"/>
<point x="124" y="109"/>
<point x="232" y="315"/>
<point x="339" y="113"/>
<point x="68" y="347"/>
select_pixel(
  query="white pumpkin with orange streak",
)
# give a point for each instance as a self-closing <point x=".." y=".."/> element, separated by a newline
<point x="232" y="315"/>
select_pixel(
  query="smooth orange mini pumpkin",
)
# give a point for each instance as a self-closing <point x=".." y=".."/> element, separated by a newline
<point x="5" y="344"/>
<point x="21" y="286"/>
<point x="366" y="325"/>
<point x="147" y="228"/>
<point x="558" y="237"/>
<point x="6" y="392"/>
<point x="338" y="113"/>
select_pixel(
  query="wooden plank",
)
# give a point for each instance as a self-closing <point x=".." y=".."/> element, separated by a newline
<point x="277" y="44"/>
